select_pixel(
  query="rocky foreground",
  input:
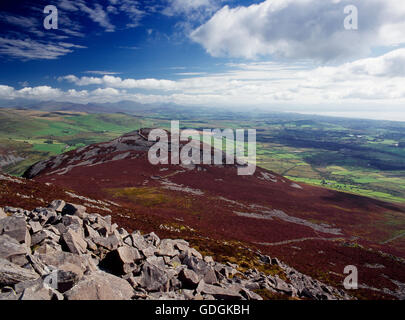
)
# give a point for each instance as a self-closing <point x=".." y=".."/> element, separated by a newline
<point x="63" y="252"/>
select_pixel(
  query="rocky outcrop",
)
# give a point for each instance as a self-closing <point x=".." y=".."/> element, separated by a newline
<point x="63" y="252"/>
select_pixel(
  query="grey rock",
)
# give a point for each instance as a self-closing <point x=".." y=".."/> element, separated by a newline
<point x="123" y="233"/>
<point x="38" y="265"/>
<point x="36" y="294"/>
<point x="252" y="286"/>
<point x="74" y="210"/>
<point x="121" y="261"/>
<point x="12" y="250"/>
<point x="265" y="259"/>
<point x="91" y="245"/>
<point x="250" y="295"/>
<point x="61" y="228"/>
<point x="41" y="292"/>
<point x="57" y="205"/>
<point x="8" y="294"/>
<point x="35" y="226"/>
<point x="91" y="233"/>
<point x="210" y="275"/>
<point x="100" y="286"/>
<point x="181" y="245"/>
<point x="157" y="262"/>
<point x="46" y="216"/>
<point x="11" y="273"/>
<point x="195" y="253"/>
<point x="47" y="247"/>
<point x="175" y="284"/>
<point x="188" y="294"/>
<point x="138" y="241"/>
<point x="74" y="242"/>
<point x="152" y="238"/>
<point x="54" y="230"/>
<point x="128" y="241"/>
<point x="174" y="262"/>
<point x="201" y="268"/>
<point x="69" y="261"/>
<point x="72" y="220"/>
<point x="165" y="296"/>
<point x="110" y="243"/>
<point x="148" y="252"/>
<point x="189" y="278"/>
<point x="218" y="292"/>
<point x="153" y="278"/>
<point x="103" y="225"/>
<point x="16" y="228"/>
<point x="208" y="259"/>
<point x="38" y="237"/>
<point x="21" y="286"/>
<point x="281" y="285"/>
<point x="166" y="248"/>
<point x="149" y="268"/>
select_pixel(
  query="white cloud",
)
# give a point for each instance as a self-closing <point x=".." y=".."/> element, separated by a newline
<point x="191" y="12"/>
<point x="267" y="83"/>
<point x="40" y="93"/>
<point x="6" y="92"/>
<point x="186" y="6"/>
<point x="98" y="15"/>
<point x="303" y="29"/>
<point x="378" y="82"/>
<point x="28" y="49"/>
<point x="117" y="82"/>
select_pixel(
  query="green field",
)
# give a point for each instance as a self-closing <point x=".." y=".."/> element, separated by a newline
<point x="363" y="157"/>
<point x="36" y="135"/>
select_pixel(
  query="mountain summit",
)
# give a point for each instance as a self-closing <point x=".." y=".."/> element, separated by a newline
<point x="315" y="230"/>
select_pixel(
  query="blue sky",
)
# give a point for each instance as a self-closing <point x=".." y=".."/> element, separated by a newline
<point x="293" y="55"/>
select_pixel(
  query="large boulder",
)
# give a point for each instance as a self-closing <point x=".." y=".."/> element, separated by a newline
<point x="35" y="226"/>
<point x="37" y="294"/>
<point x="11" y="273"/>
<point x="100" y="286"/>
<point x="74" y="210"/>
<point x="39" y="290"/>
<point x="153" y="278"/>
<point x="15" y="227"/>
<point x="121" y="261"/>
<point x="12" y="250"/>
<point x="74" y="241"/>
<point x="112" y="242"/>
<point x="138" y="241"/>
<point x="152" y="238"/>
<point x="57" y="205"/>
<point x="91" y="233"/>
<point x="69" y="262"/>
<point x="72" y="221"/>
<point x="166" y="248"/>
<point x="201" y="268"/>
<point x="219" y="292"/>
<point x="189" y="278"/>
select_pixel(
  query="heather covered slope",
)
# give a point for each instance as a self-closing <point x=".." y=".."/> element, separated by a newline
<point x="63" y="252"/>
<point x="317" y="231"/>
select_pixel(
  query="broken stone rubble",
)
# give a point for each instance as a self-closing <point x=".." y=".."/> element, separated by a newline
<point x="63" y="252"/>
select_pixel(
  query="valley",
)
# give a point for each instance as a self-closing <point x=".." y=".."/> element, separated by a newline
<point x="315" y="230"/>
<point x="364" y="157"/>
